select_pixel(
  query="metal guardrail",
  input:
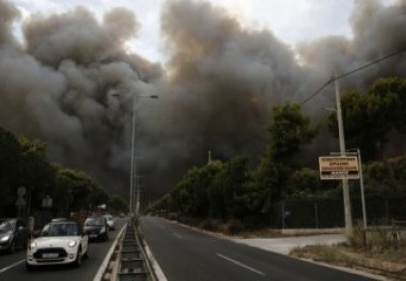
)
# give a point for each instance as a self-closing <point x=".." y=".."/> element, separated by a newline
<point x="131" y="262"/>
<point x="128" y="262"/>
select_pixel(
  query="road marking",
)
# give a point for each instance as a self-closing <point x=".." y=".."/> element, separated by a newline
<point x="11" y="266"/>
<point x="240" y="264"/>
<point x="177" y="235"/>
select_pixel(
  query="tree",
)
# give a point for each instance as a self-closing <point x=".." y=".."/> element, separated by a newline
<point x="226" y="192"/>
<point x="370" y="117"/>
<point x="289" y="130"/>
<point x="75" y="186"/>
<point x="117" y="204"/>
<point x="37" y="174"/>
<point x="10" y="158"/>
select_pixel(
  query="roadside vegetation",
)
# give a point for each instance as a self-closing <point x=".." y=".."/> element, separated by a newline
<point x="23" y="163"/>
<point x="385" y="255"/>
<point x="259" y="198"/>
<point x="283" y="190"/>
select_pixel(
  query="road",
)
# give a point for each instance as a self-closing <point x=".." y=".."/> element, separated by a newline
<point x="184" y="255"/>
<point x="12" y="266"/>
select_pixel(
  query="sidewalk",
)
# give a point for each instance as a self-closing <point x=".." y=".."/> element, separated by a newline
<point x="284" y="245"/>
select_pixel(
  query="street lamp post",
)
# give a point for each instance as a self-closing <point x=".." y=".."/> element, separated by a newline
<point x="133" y="171"/>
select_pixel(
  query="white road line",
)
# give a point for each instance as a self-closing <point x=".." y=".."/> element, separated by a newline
<point x="240" y="264"/>
<point x="11" y="266"/>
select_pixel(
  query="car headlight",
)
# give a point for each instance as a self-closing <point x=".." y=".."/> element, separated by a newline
<point x="103" y="229"/>
<point x="5" y="238"/>
<point x="33" y="245"/>
<point x="72" y="243"/>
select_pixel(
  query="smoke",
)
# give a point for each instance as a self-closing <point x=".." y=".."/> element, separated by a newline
<point x="73" y="84"/>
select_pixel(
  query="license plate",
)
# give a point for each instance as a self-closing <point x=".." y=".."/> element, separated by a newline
<point x="49" y="255"/>
<point x="93" y="235"/>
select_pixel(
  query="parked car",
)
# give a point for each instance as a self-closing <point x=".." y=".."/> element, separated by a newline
<point x="96" y="228"/>
<point x="110" y="222"/>
<point x="61" y="242"/>
<point x="13" y="234"/>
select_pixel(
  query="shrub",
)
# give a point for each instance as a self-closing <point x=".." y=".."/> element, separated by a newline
<point x="234" y="227"/>
<point x="210" y="224"/>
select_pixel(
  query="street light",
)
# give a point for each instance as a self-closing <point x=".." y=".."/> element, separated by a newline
<point x="133" y="171"/>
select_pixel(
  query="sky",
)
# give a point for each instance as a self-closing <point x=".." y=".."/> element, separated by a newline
<point x="292" y="21"/>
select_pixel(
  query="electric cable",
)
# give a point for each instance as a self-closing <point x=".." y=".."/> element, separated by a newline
<point x="332" y="79"/>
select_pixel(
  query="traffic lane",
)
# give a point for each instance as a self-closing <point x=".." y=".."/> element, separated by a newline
<point x="184" y="254"/>
<point x="15" y="269"/>
<point x="7" y="259"/>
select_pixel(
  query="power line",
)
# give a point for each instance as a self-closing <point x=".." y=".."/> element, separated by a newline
<point x="332" y="79"/>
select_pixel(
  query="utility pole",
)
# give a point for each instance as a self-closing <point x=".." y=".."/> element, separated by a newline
<point x="133" y="171"/>
<point x="346" y="193"/>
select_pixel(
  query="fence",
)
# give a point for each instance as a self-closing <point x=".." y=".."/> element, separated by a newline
<point x="327" y="213"/>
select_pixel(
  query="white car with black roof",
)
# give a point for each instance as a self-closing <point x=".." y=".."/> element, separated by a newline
<point x="60" y="242"/>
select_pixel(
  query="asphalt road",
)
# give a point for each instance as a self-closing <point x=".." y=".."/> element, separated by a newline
<point x="184" y="255"/>
<point x="12" y="266"/>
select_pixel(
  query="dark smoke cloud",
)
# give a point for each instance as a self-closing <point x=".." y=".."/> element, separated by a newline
<point x="73" y="84"/>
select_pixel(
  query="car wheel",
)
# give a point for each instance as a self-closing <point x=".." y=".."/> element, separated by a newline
<point x="86" y="254"/>
<point x="78" y="261"/>
<point x="12" y="248"/>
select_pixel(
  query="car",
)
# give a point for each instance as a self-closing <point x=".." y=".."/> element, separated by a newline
<point x="59" y="219"/>
<point x="110" y="222"/>
<point x="97" y="228"/>
<point x="60" y="242"/>
<point x="13" y="234"/>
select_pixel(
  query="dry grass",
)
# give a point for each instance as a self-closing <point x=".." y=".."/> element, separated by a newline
<point x="384" y="255"/>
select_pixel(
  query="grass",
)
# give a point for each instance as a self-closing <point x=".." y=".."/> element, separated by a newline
<point x="384" y="255"/>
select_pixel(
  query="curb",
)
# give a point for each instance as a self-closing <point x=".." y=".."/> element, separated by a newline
<point x="102" y="268"/>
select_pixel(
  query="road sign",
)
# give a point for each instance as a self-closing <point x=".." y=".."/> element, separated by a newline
<point x="338" y="167"/>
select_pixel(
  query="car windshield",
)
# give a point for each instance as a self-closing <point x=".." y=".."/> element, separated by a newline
<point x="6" y="226"/>
<point x="63" y="229"/>
<point x="94" y="222"/>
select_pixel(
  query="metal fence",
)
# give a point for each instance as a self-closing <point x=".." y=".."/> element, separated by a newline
<point x="329" y="213"/>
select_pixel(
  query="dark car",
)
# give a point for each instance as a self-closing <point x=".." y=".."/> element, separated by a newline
<point x="13" y="234"/>
<point x="96" y="228"/>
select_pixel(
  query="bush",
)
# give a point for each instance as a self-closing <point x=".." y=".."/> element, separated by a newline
<point x="234" y="227"/>
<point x="252" y="222"/>
<point x="210" y="225"/>
<point x="357" y="239"/>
